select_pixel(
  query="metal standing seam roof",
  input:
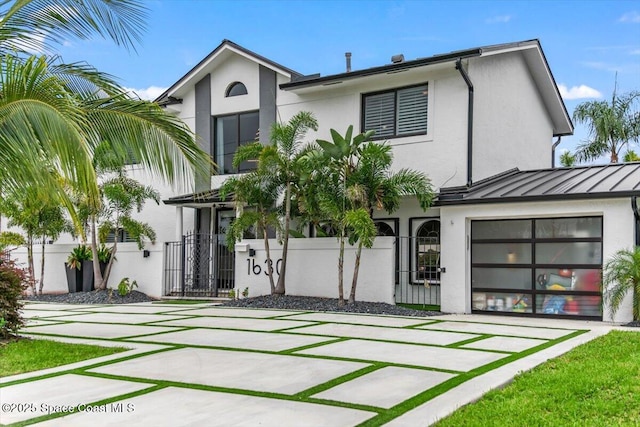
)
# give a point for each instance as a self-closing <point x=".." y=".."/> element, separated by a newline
<point x="202" y="198"/>
<point x="586" y="182"/>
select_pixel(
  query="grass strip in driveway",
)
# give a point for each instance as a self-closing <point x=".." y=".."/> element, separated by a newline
<point x="596" y="384"/>
<point x="429" y="394"/>
<point x="27" y="355"/>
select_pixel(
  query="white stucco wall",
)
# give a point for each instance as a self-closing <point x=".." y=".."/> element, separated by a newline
<point x="441" y="153"/>
<point x="511" y="125"/>
<point x="618" y="223"/>
<point x="235" y="69"/>
<point x="312" y="269"/>
<point x="130" y="263"/>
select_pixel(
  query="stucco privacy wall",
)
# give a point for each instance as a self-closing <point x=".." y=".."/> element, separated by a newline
<point x="130" y="263"/>
<point x="312" y="268"/>
<point x="618" y="223"/>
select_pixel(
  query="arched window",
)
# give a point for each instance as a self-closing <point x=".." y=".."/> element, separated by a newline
<point x="384" y="229"/>
<point x="428" y="251"/>
<point x="235" y="89"/>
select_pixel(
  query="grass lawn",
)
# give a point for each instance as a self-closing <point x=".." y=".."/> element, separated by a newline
<point x="26" y="355"/>
<point x="596" y="384"/>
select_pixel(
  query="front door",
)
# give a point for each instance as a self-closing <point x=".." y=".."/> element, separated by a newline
<point x="225" y="258"/>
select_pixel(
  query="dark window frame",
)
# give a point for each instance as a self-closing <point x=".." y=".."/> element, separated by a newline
<point x="214" y="148"/>
<point x="415" y="278"/>
<point x="533" y="266"/>
<point x="235" y="89"/>
<point x="395" y="91"/>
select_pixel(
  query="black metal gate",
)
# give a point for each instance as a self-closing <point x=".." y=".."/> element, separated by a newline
<point x="418" y="270"/>
<point x="199" y="265"/>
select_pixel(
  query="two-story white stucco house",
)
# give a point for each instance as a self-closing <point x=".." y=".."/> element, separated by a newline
<point x="509" y="233"/>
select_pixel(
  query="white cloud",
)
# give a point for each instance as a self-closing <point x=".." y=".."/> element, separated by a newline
<point x="499" y="19"/>
<point x="578" y="92"/>
<point x="632" y="16"/>
<point x="150" y="93"/>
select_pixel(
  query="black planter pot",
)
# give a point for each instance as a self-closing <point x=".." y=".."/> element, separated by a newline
<point x="87" y="276"/>
<point x="74" y="278"/>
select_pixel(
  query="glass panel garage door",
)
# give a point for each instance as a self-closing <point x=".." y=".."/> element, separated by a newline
<point x="546" y="267"/>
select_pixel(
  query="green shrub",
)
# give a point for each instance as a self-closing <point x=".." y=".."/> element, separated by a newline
<point x="125" y="288"/>
<point x="12" y="285"/>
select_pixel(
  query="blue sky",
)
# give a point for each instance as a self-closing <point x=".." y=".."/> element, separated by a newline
<point x="585" y="42"/>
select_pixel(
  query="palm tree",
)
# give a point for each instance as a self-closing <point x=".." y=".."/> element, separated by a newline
<point x="279" y="162"/>
<point x="339" y="195"/>
<point x="358" y="176"/>
<point x="567" y="159"/>
<point x="37" y="25"/>
<point x="55" y="115"/>
<point x="621" y="275"/>
<point x="383" y="191"/>
<point x="612" y="126"/>
<point x="260" y="193"/>
<point x="631" y="156"/>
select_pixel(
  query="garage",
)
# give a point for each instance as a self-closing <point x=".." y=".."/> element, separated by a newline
<point x="538" y="266"/>
<point x="534" y="243"/>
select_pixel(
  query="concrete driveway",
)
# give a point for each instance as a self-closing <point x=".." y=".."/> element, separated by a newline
<point x="201" y="364"/>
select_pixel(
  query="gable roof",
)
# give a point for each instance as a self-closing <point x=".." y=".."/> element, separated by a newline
<point x="225" y="45"/>
<point x="585" y="182"/>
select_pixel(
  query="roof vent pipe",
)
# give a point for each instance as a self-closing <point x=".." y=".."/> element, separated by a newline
<point x="553" y="152"/>
<point x="396" y="59"/>
<point x="347" y="56"/>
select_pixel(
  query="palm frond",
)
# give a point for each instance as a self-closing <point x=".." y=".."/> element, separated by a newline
<point x="34" y="25"/>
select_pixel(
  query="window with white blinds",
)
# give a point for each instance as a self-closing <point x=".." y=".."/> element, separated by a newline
<point x="397" y="112"/>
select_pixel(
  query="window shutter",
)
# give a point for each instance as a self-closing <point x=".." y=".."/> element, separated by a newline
<point x="412" y="110"/>
<point x="379" y="114"/>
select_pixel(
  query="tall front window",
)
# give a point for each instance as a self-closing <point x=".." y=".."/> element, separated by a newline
<point x="231" y="132"/>
<point x="397" y="112"/>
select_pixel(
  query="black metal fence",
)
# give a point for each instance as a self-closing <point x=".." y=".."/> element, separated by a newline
<point x="418" y="270"/>
<point x="199" y="265"/>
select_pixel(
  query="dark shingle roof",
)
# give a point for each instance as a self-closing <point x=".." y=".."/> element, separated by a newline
<point x="587" y="182"/>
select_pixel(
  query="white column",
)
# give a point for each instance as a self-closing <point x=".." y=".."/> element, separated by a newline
<point x="178" y="223"/>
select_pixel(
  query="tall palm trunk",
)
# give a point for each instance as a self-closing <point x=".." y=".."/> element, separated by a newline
<point x="41" y="285"/>
<point x="341" y="270"/>
<point x="97" y="274"/>
<point x="356" y="270"/>
<point x="107" y="272"/>
<point x="265" y="235"/>
<point x="280" y="288"/>
<point x="30" y="269"/>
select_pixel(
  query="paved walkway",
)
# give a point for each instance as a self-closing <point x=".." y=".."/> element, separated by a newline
<point x="191" y="365"/>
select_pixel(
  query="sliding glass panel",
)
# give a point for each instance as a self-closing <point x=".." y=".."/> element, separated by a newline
<point x="502" y="301"/>
<point x="501" y="253"/>
<point x="509" y="229"/>
<point x="568" y="228"/>
<point x="577" y="305"/>
<point x="565" y="279"/>
<point x="501" y="278"/>
<point x="569" y="253"/>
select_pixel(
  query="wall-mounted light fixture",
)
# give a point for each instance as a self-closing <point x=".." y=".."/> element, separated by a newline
<point x="252" y="252"/>
<point x="146" y="253"/>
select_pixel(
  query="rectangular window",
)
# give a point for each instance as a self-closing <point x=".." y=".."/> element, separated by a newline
<point x="231" y="132"/>
<point x="122" y="237"/>
<point x="397" y="112"/>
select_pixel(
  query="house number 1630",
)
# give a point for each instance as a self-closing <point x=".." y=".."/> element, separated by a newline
<point x="256" y="269"/>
